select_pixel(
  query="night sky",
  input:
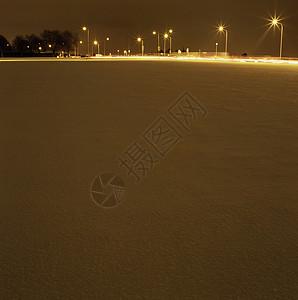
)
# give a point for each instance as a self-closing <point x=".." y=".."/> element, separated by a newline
<point x="194" y="22"/>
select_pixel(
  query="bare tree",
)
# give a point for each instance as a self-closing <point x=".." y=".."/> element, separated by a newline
<point x="53" y="40"/>
<point x="4" y="45"/>
<point x="20" y="44"/>
<point x="35" y="42"/>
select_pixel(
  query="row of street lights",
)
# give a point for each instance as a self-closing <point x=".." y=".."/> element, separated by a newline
<point x="166" y="36"/>
<point x="95" y="43"/>
<point x="274" y="22"/>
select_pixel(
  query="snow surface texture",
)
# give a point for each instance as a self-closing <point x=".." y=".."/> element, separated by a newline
<point x="216" y="219"/>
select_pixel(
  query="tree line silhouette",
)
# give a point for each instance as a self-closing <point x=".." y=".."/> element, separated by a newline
<point x="49" y="42"/>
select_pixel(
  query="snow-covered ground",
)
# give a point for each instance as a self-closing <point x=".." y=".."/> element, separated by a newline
<point x="215" y="219"/>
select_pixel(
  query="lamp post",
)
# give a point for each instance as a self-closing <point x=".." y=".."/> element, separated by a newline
<point x="170" y="36"/>
<point x="104" y="45"/>
<point x="88" y="37"/>
<point x="276" y="22"/>
<point x="158" y="44"/>
<point x="96" y="43"/>
<point x="129" y="48"/>
<point x="50" y="46"/>
<point x="216" y="48"/>
<point x="77" y="48"/>
<point x="165" y="37"/>
<point x="142" y="41"/>
<point x="222" y="29"/>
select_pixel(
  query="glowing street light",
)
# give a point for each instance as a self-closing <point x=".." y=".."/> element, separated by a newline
<point x="141" y="40"/>
<point x="216" y="48"/>
<point x="158" y="44"/>
<point x="104" y="45"/>
<point x="222" y="29"/>
<point x="50" y="46"/>
<point x="96" y="43"/>
<point x="165" y="37"/>
<point x="88" y="37"/>
<point x="275" y="22"/>
<point x="77" y="48"/>
<point x="170" y="36"/>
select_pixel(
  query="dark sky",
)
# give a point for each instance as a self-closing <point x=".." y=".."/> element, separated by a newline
<point x="193" y="21"/>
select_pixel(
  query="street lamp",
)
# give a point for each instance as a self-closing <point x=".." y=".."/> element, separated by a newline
<point x="165" y="37"/>
<point x="141" y="40"/>
<point x="77" y="48"/>
<point x="129" y="46"/>
<point x="222" y="29"/>
<point x="170" y="36"/>
<point x="104" y="45"/>
<point x="88" y="37"/>
<point x="50" y="46"/>
<point x="276" y="22"/>
<point x="96" y="43"/>
<point x="216" y="47"/>
<point x="158" y="44"/>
